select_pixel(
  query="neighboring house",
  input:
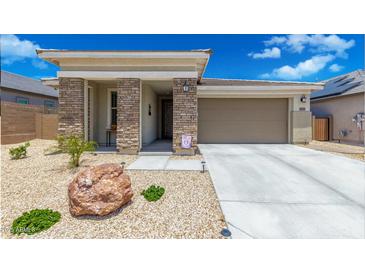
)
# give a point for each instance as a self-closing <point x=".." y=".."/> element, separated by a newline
<point x="134" y="98"/>
<point x="23" y="90"/>
<point x="342" y="100"/>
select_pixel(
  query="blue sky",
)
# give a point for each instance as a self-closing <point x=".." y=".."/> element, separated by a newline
<point x="274" y="57"/>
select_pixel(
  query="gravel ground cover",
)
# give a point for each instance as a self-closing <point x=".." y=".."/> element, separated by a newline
<point x="188" y="209"/>
<point x="347" y="150"/>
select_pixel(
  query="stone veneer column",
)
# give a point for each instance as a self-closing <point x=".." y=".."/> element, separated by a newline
<point x="71" y="106"/>
<point x="185" y="114"/>
<point x="128" y="115"/>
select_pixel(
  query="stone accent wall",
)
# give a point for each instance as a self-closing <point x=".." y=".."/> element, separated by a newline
<point x="301" y="126"/>
<point x="71" y="106"/>
<point x="185" y="114"/>
<point x="128" y="112"/>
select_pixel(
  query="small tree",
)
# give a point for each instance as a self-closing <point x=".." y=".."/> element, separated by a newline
<point x="75" y="146"/>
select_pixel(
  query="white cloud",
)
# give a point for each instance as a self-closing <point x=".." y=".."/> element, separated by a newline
<point x="39" y="64"/>
<point x="318" y="43"/>
<point x="276" y="40"/>
<point x="302" y="69"/>
<point x="15" y="50"/>
<point x="266" y="53"/>
<point x="335" y="68"/>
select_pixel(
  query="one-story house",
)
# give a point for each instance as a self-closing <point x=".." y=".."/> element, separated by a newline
<point x="135" y="98"/>
<point x="342" y="101"/>
<point x="23" y="90"/>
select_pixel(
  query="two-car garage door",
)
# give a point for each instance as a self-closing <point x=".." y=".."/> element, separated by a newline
<point x="242" y="120"/>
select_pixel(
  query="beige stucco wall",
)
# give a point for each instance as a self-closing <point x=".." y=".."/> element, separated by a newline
<point x="300" y="123"/>
<point x="301" y="127"/>
<point x="149" y="122"/>
<point x="342" y="109"/>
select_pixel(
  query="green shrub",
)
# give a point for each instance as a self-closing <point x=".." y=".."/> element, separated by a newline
<point x="19" y="152"/>
<point x="153" y="193"/>
<point x="35" y="221"/>
<point x="75" y="146"/>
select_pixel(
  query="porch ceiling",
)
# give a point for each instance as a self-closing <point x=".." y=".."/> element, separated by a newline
<point x="160" y="87"/>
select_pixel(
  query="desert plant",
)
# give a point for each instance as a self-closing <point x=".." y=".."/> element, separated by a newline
<point x="35" y="221"/>
<point x="75" y="146"/>
<point x="58" y="148"/>
<point x="19" y="152"/>
<point x="153" y="193"/>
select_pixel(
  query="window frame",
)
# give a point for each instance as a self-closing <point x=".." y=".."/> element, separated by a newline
<point x="109" y="106"/>
<point x="22" y="98"/>
<point x="53" y="103"/>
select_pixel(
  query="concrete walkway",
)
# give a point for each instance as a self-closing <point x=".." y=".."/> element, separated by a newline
<point x="164" y="163"/>
<point x="286" y="191"/>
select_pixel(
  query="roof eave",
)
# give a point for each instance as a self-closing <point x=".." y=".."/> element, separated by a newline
<point x="61" y="54"/>
<point x="289" y="88"/>
<point x="55" y="56"/>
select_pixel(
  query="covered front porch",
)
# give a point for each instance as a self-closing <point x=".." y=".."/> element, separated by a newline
<point x="130" y="100"/>
<point x="156" y="115"/>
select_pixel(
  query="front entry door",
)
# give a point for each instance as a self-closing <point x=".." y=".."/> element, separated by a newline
<point x="167" y="120"/>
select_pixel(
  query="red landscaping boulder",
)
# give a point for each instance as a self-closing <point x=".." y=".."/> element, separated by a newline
<point x="99" y="190"/>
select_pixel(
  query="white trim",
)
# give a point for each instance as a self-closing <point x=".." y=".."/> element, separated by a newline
<point x="51" y="82"/>
<point x="290" y="128"/>
<point x="266" y="81"/>
<point x="250" y="94"/>
<point x="205" y="66"/>
<point x="117" y="54"/>
<point x="143" y="75"/>
<point x="140" y="115"/>
<point x="260" y="88"/>
<point x="91" y="99"/>
<point x="86" y="133"/>
<point x="109" y="106"/>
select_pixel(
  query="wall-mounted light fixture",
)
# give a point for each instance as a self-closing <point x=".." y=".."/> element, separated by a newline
<point x="303" y="99"/>
<point x="186" y="87"/>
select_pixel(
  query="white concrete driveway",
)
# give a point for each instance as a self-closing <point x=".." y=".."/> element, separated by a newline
<point x="285" y="191"/>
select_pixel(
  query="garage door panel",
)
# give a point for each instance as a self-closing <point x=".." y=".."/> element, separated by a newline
<point x="229" y="115"/>
<point x="243" y="121"/>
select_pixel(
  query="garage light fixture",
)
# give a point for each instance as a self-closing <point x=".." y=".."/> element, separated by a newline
<point x="303" y="99"/>
<point x="186" y="87"/>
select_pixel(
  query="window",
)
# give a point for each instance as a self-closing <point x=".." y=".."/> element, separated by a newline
<point x="22" y="100"/>
<point x="49" y="104"/>
<point x="113" y="108"/>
